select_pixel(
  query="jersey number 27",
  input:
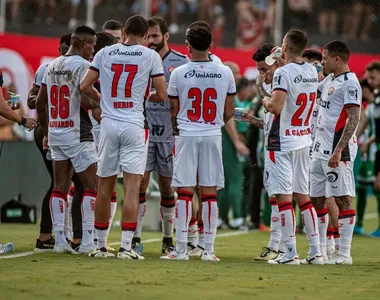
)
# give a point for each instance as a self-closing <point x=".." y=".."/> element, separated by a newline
<point x="302" y="103"/>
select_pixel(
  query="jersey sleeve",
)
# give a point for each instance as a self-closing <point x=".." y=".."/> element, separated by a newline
<point x="95" y="65"/>
<point x="352" y="93"/>
<point x="320" y="85"/>
<point x="231" y="83"/>
<point x="39" y="75"/>
<point x="280" y="81"/>
<point x="173" y="86"/>
<point x="82" y="71"/>
<point x="157" y="68"/>
<point x="43" y="81"/>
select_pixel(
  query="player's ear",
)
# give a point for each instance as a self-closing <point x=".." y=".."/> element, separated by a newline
<point x="166" y="36"/>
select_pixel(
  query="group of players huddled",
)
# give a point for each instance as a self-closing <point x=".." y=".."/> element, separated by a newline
<point x="121" y="101"/>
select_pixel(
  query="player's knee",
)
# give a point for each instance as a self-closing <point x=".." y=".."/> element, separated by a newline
<point x="165" y="186"/>
<point x="344" y="202"/>
<point x="318" y="202"/>
<point x="144" y="183"/>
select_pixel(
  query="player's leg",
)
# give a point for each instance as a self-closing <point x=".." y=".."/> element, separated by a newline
<point x="341" y="184"/>
<point x="45" y="241"/>
<point x="76" y="212"/>
<point x="334" y="242"/>
<point x="68" y="218"/>
<point x="185" y="164"/>
<point x="62" y="170"/>
<point x="282" y="165"/>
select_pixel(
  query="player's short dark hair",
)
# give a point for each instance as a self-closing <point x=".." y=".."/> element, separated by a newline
<point x="262" y="52"/>
<point x="103" y="39"/>
<point x="312" y="54"/>
<point x="84" y="30"/>
<point x="201" y="24"/>
<point x="242" y="83"/>
<point x="112" y="25"/>
<point x="156" y="21"/>
<point x="296" y="41"/>
<point x="373" y="65"/>
<point x="338" y="48"/>
<point x="136" y="25"/>
<point x="65" y="39"/>
<point x="198" y="36"/>
<point x="364" y="84"/>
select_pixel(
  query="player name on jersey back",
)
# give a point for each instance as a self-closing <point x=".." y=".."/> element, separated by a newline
<point x="124" y="72"/>
<point x="337" y="93"/>
<point x="291" y="128"/>
<point x="69" y="123"/>
<point x="201" y="89"/>
<point x="158" y="114"/>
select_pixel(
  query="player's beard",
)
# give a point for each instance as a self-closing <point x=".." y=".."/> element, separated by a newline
<point x="158" y="46"/>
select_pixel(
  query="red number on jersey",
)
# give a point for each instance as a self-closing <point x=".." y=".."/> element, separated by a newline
<point x="202" y="104"/>
<point x="118" y="69"/>
<point x="60" y="105"/>
<point x="302" y="102"/>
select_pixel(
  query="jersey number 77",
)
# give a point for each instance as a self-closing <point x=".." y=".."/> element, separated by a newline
<point x="118" y="69"/>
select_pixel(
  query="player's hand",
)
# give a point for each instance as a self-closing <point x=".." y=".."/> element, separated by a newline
<point x="241" y="148"/>
<point x="363" y="149"/>
<point x="31" y="123"/>
<point x="45" y="142"/>
<point x="261" y="78"/>
<point x="335" y="159"/>
<point x="13" y="106"/>
<point x="246" y="117"/>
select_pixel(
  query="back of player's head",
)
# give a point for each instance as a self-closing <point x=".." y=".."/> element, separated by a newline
<point x="83" y="30"/>
<point x="338" y="48"/>
<point x="199" y="36"/>
<point x="201" y="24"/>
<point x="103" y="39"/>
<point x="156" y="21"/>
<point x="296" y="40"/>
<point x="112" y="25"/>
<point x="65" y="39"/>
<point x="373" y="66"/>
<point x="312" y="55"/>
<point x="136" y="25"/>
<point x="262" y="52"/>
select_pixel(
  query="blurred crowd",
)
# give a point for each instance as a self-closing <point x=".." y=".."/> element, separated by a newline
<point x="244" y="24"/>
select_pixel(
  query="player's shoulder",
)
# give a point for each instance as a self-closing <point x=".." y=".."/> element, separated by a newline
<point x="173" y="54"/>
<point x="214" y="58"/>
<point x="350" y="78"/>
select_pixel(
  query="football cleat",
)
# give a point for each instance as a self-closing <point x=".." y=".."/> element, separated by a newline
<point x="312" y="260"/>
<point x="86" y="249"/>
<point x="64" y="248"/>
<point x="174" y="255"/>
<point x="285" y="261"/>
<point x="267" y="254"/>
<point x="137" y="246"/>
<point x="197" y="251"/>
<point x="167" y="246"/>
<point x="131" y="254"/>
<point x="375" y="233"/>
<point x="101" y="253"/>
<point x="209" y="257"/>
<point x="45" y="246"/>
<point x="339" y="260"/>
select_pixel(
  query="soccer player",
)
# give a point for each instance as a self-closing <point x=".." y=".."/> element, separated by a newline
<point x="335" y="145"/>
<point x="161" y="139"/>
<point x="124" y="71"/>
<point x="115" y="28"/>
<point x="67" y="129"/>
<point x="293" y="94"/>
<point x="202" y="100"/>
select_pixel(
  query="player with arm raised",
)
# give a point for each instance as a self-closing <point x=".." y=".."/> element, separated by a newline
<point x="202" y="100"/>
<point x="335" y="146"/>
<point x="293" y="95"/>
<point x="67" y="128"/>
<point x="124" y="71"/>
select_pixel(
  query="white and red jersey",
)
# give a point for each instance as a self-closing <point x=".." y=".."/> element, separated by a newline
<point x="214" y="58"/>
<point x="202" y="88"/>
<point x="40" y="74"/>
<point x="125" y="71"/>
<point x="69" y="123"/>
<point x="337" y="93"/>
<point x="291" y="128"/>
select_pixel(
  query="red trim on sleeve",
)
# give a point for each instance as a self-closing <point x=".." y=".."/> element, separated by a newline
<point x="281" y="90"/>
<point x="94" y="69"/>
<point x="351" y="105"/>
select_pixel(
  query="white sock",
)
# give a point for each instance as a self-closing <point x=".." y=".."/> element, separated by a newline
<point x="336" y="238"/>
<point x="310" y="219"/>
<point x="167" y="216"/>
<point x="57" y="211"/>
<point x="323" y="223"/>
<point x="330" y="243"/>
<point x="128" y="229"/>
<point x="113" y="212"/>
<point x="210" y="220"/>
<point x="275" y="228"/>
<point x="288" y="228"/>
<point x="182" y="219"/>
<point x="140" y="218"/>
<point x="68" y="218"/>
<point x="346" y="230"/>
<point x="101" y="232"/>
<point x="201" y="234"/>
<point x="192" y="236"/>
<point x="88" y="217"/>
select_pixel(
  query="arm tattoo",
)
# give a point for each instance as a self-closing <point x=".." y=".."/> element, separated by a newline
<point x="262" y="92"/>
<point x="259" y="123"/>
<point x="353" y="113"/>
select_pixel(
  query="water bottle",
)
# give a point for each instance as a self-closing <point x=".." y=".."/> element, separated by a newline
<point x="318" y="66"/>
<point x="238" y="114"/>
<point x="48" y="155"/>
<point x="272" y="58"/>
<point x="7" y="248"/>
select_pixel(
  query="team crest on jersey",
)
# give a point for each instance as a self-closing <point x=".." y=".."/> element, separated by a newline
<point x="171" y="69"/>
<point x="331" y="90"/>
